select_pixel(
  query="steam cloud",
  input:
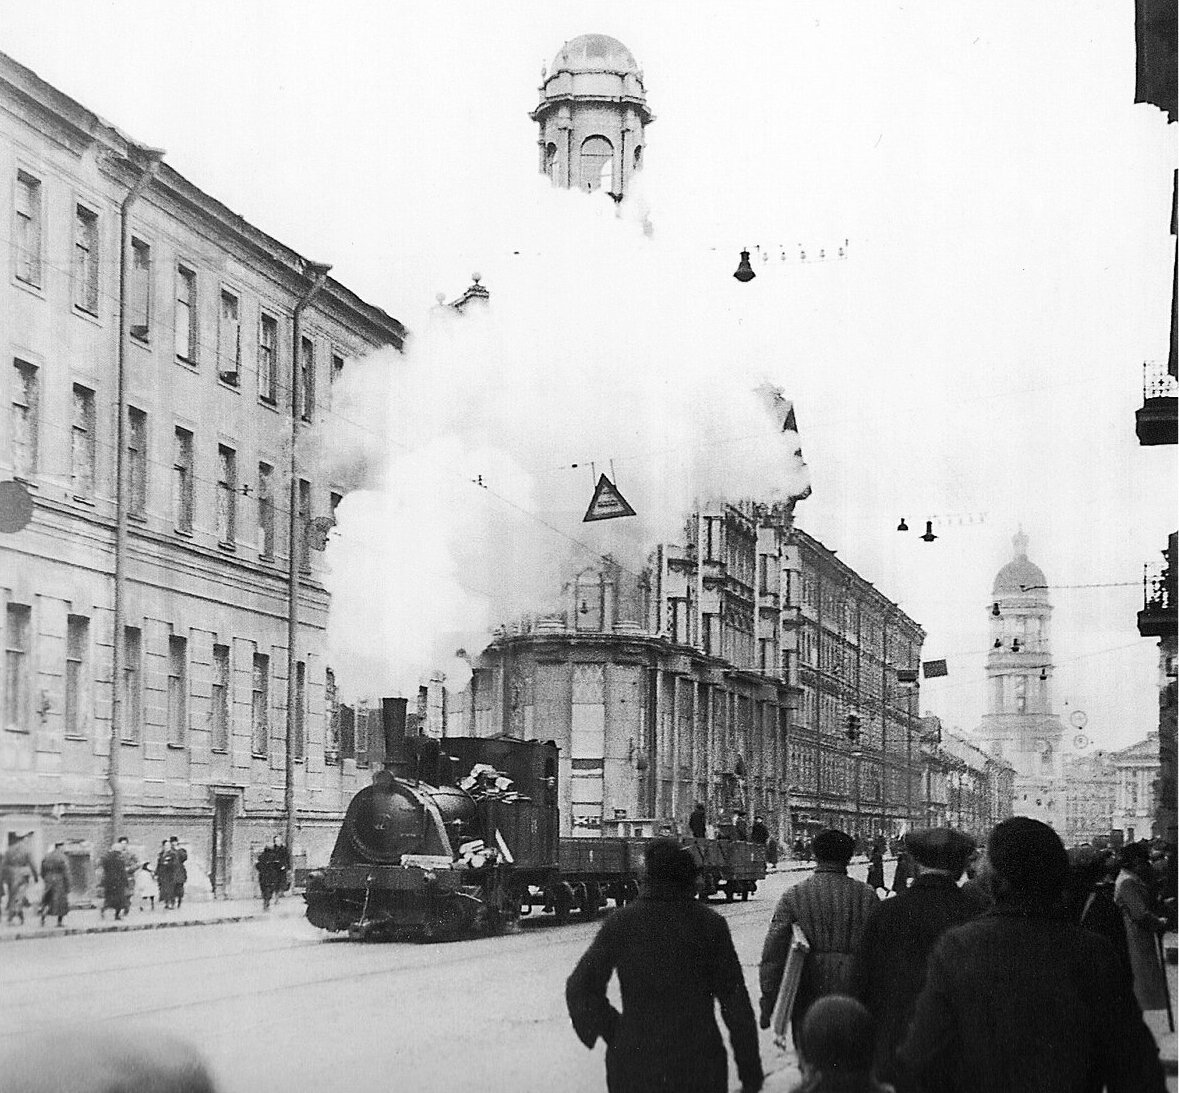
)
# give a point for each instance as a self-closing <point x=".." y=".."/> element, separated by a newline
<point x="601" y="346"/>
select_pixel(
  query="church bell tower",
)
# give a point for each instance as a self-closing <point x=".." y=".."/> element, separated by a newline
<point x="592" y="116"/>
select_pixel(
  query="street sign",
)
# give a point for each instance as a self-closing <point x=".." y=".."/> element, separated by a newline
<point x="935" y="668"/>
<point x="16" y="507"/>
<point x="607" y="503"/>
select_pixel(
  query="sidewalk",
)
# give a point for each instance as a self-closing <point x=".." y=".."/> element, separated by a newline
<point x="88" y="920"/>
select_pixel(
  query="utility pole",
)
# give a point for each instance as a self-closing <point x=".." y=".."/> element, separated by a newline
<point x="297" y="536"/>
<point x="147" y="160"/>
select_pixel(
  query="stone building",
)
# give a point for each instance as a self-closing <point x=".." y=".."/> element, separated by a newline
<point x="1136" y="770"/>
<point x="1158" y="619"/>
<point x="979" y="787"/>
<point x="206" y="362"/>
<point x="1020" y="725"/>
<point x="1090" y="783"/>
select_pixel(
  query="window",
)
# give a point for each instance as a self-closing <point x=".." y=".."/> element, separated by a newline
<point x="226" y="494"/>
<point x="267" y="358"/>
<point x="139" y="294"/>
<point x="304" y="525"/>
<point x="177" y="690"/>
<point x="298" y="743"/>
<point x="307" y="379"/>
<point x="136" y="462"/>
<point x="260" y="705"/>
<point x="182" y="480"/>
<point x="77" y="642"/>
<point x="82" y="442"/>
<point x="24" y="418"/>
<point x="27" y="241"/>
<point x="265" y="510"/>
<point x="331" y="698"/>
<point x="550" y="160"/>
<point x="219" y="699"/>
<point x="229" y="339"/>
<point x="337" y="368"/>
<point x="16" y="666"/>
<point x="597" y="164"/>
<point x="186" y="315"/>
<point x="86" y="259"/>
<point x="132" y="684"/>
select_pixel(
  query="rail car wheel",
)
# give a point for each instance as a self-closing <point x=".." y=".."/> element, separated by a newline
<point x="744" y="894"/>
<point x="446" y="922"/>
<point x="562" y="902"/>
<point x="729" y="893"/>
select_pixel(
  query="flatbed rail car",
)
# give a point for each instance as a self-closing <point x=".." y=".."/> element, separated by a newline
<point x="417" y="853"/>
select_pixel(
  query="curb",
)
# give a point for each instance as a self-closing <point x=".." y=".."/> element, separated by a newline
<point x="23" y="934"/>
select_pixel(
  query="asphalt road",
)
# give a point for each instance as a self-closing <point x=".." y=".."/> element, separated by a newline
<point x="276" y="1005"/>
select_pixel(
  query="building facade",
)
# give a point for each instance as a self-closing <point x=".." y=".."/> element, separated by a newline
<point x="980" y="787"/>
<point x="1136" y="770"/>
<point x="1090" y="786"/>
<point x="1158" y="619"/>
<point x="207" y="371"/>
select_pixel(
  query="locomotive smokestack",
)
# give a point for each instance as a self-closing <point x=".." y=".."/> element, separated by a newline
<point x="393" y="719"/>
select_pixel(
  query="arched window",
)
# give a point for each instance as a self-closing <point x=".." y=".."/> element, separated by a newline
<point x="597" y="163"/>
<point x="550" y="160"/>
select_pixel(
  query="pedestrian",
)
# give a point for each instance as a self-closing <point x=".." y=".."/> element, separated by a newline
<point x="116" y="880"/>
<point x="145" y="887"/>
<point x="888" y="970"/>
<point x="1020" y="1000"/>
<point x="903" y="872"/>
<point x="272" y="867"/>
<point x="55" y="876"/>
<point x="16" y="870"/>
<point x="772" y="852"/>
<point x="740" y="827"/>
<point x="698" y="821"/>
<point x="65" y="1059"/>
<point x="165" y="869"/>
<point x="675" y="960"/>
<point x="179" y="870"/>
<point x="1091" y="899"/>
<point x="830" y="908"/>
<point x="835" y="1048"/>
<point x="876" y="868"/>
<point x="1133" y="896"/>
<point x="799" y="849"/>
<point x="759" y="833"/>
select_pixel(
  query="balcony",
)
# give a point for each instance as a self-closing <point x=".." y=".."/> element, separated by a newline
<point x="1157" y="619"/>
<point x="1155" y="423"/>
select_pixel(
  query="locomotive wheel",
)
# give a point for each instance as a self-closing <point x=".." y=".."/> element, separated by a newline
<point x="562" y="902"/>
<point x="729" y="894"/>
<point x="744" y="894"/>
<point x="446" y="923"/>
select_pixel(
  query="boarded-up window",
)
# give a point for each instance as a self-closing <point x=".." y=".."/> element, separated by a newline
<point x="82" y="442"/>
<point x="267" y="358"/>
<point x="136" y="462"/>
<point x="186" y="315"/>
<point x="589" y="712"/>
<point x="132" y="684"/>
<point x="27" y="229"/>
<point x="219" y="699"/>
<point x="17" y="636"/>
<point x="139" y="291"/>
<point x="265" y="510"/>
<point x="260" y="705"/>
<point x="226" y="494"/>
<point x="182" y="480"/>
<point x="177" y="690"/>
<point x="25" y="418"/>
<point x="307" y="379"/>
<point x="77" y="646"/>
<point x="229" y="339"/>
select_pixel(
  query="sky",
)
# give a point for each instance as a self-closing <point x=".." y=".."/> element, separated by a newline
<point x="975" y="356"/>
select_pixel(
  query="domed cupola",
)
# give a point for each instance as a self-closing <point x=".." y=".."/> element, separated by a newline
<point x="592" y="115"/>
<point x="1019" y="575"/>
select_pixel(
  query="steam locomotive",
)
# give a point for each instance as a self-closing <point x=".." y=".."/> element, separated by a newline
<point x="460" y="836"/>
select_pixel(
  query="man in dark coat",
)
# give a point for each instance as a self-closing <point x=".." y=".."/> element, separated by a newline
<point x="888" y="970"/>
<point x="698" y="821"/>
<point x="740" y="827"/>
<point x="179" y="869"/>
<point x="830" y="908"/>
<point x="55" y="875"/>
<point x="165" y="868"/>
<point x="759" y="833"/>
<point x="272" y="867"/>
<point x="675" y="960"/>
<point x="1022" y="1001"/>
<point x="16" y="870"/>
<point x="116" y="880"/>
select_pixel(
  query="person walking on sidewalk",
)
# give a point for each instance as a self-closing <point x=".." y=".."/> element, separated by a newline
<point x="675" y="960"/>
<point x="16" y="870"/>
<point x="1020" y="1000"/>
<point x="116" y="880"/>
<point x="165" y="868"/>
<point x="55" y="876"/>
<point x="1134" y="897"/>
<point x="272" y="867"/>
<point x="831" y="909"/>
<point x="888" y="970"/>
<point x="179" y="870"/>
<point x="145" y="887"/>
<point x="698" y="821"/>
<point x="876" y="867"/>
<point x="835" y="1049"/>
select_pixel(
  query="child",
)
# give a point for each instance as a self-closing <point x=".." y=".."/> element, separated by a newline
<point x="835" y="1048"/>
<point x="145" y="886"/>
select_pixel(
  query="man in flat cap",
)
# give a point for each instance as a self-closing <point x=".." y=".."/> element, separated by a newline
<point x="830" y="908"/>
<point x="1020" y="1000"/>
<point x="889" y="966"/>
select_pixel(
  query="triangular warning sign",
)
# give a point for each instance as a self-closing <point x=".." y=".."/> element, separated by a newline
<point x="607" y="503"/>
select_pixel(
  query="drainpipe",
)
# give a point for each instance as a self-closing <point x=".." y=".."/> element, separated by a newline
<point x="149" y="162"/>
<point x="296" y="544"/>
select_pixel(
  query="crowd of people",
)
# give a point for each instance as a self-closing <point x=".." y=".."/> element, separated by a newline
<point x="1015" y="967"/>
